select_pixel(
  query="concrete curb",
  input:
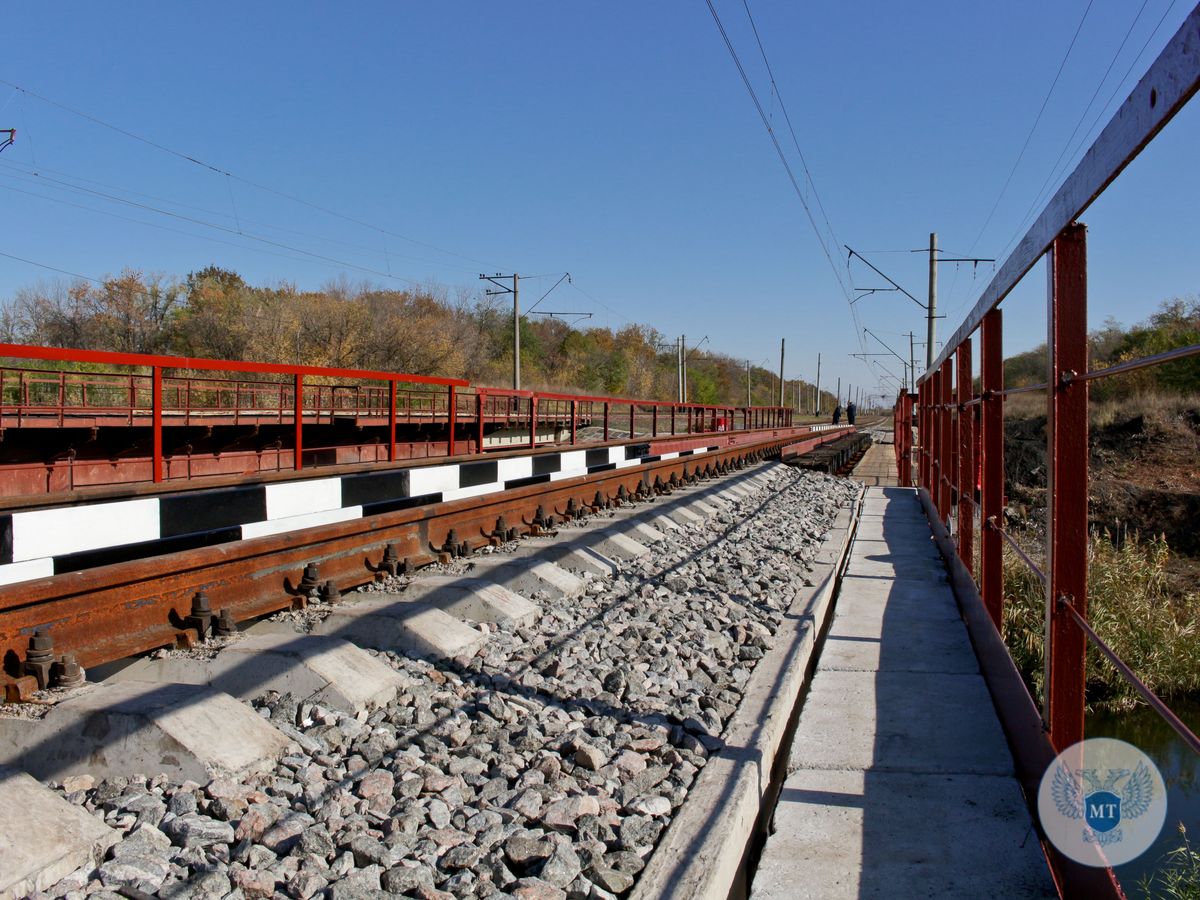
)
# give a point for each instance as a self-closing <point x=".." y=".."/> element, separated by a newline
<point x="702" y="853"/>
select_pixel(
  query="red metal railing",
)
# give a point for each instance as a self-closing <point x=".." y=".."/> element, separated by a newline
<point x="959" y="460"/>
<point x="165" y="391"/>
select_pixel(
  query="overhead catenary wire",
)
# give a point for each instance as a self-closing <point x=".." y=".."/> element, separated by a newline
<point x="223" y="172"/>
<point x="77" y="183"/>
<point x="786" y="165"/>
<point x="1068" y="153"/>
<point x="1032" y="128"/>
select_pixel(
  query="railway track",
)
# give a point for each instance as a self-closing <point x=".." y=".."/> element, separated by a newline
<point x="111" y="612"/>
<point x="253" y="581"/>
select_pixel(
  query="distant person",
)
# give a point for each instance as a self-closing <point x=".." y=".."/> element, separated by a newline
<point x="851" y="412"/>
<point x="837" y="414"/>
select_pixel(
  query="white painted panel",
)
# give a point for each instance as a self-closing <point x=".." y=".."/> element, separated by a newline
<point x="563" y="476"/>
<point x="518" y="467"/>
<point x="56" y="532"/>
<point x="672" y="455"/>
<point x="573" y="461"/>
<point x="295" y="523"/>
<point x="629" y="463"/>
<point x="616" y="454"/>
<point x="432" y="480"/>
<point x="26" y="571"/>
<point x="477" y="491"/>
<point x="299" y="498"/>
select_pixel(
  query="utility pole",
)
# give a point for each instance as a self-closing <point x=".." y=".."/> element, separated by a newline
<point x="683" y="368"/>
<point x="931" y="308"/>
<point x="781" y="342"/>
<point x="817" y="407"/>
<point x="912" y="365"/>
<point x="515" y="291"/>
<point x="838" y="401"/>
<point x="679" y="365"/>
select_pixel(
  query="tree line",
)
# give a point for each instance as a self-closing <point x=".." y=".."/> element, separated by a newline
<point x="214" y="313"/>
<point x="1175" y="324"/>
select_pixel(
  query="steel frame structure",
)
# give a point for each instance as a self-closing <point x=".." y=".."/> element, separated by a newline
<point x="958" y="460"/>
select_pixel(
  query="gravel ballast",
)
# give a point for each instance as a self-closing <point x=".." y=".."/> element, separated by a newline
<point x="548" y="765"/>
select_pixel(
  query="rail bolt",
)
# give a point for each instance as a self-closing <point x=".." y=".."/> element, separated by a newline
<point x="500" y="532"/>
<point x="330" y="593"/>
<point x="67" y="672"/>
<point x="311" y="580"/>
<point x="599" y="501"/>
<point x="452" y="543"/>
<point x="39" y="658"/>
<point x="622" y="495"/>
<point x="391" y="559"/>
<point x="201" y="616"/>
<point x="225" y="625"/>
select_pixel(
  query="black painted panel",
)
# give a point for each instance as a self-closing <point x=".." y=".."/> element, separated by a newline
<point x="597" y="457"/>
<point x="387" y="506"/>
<point x="547" y="463"/>
<point x="6" y="540"/>
<point x="199" y="511"/>
<point x="374" y="487"/>
<point x="477" y="473"/>
<point x="105" y="556"/>
<point x="525" y="482"/>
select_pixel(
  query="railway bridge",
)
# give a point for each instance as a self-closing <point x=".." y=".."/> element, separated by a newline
<point x="313" y="632"/>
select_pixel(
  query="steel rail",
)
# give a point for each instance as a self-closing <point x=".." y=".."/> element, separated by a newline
<point x="1189" y="737"/>
<point x="115" y="611"/>
<point x="1161" y="93"/>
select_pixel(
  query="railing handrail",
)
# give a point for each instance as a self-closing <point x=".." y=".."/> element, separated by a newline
<point x="60" y="354"/>
<point x="1172" y="80"/>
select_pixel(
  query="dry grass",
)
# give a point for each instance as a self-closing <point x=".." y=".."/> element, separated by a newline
<point x="1131" y="607"/>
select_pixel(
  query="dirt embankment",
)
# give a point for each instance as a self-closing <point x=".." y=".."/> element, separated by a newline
<point x="1145" y="475"/>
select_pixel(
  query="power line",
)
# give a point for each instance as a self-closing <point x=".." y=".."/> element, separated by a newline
<point x="51" y="268"/>
<point x="783" y="159"/>
<point x="220" y="171"/>
<point x="1068" y="152"/>
<point x="1032" y="128"/>
<point x="77" y="184"/>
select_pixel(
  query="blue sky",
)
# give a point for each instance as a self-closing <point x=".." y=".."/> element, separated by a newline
<point x="615" y="141"/>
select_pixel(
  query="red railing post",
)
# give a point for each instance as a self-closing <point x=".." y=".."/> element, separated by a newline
<point x="932" y="394"/>
<point x="298" y="413"/>
<point x="392" y="420"/>
<point x="605" y="420"/>
<point x="632" y="410"/>
<point x="479" y="418"/>
<point x="532" y="420"/>
<point x="672" y="418"/>
<point x="156" y="406"/>
<point x="574" y="420"/>
<point x="451" y="420"/>
<point x="1066" y="484"/>
<point x="945" y="473"/>
<point x="991" y="372"/>
<point x="966" y="458"/>
<point x="654" y="420"/>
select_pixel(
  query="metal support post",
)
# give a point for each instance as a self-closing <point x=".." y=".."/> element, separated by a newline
<point x="991" y="563"/>
<point x="966" y="458"/>
<point x="945" y="473"/>
<point x="156" y="401"/>
<point x="298" y="413"/>
<point x="1066" y="485"/>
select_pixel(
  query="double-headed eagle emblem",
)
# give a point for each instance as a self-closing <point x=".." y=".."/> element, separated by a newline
<point x="1102" y="798"/>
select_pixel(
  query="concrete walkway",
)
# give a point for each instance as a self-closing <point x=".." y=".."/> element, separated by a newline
<point x="900" y="782"/>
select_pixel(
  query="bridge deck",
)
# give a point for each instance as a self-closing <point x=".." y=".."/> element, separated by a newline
<point x="901" y="783"/>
